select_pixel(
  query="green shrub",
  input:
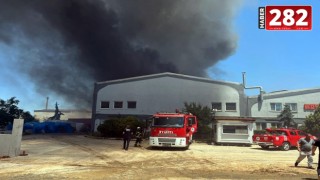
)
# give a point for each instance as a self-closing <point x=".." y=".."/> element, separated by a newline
<point x="114" y="127"/>
<point x="203" y="132"/>
<point x="259" y="132"/>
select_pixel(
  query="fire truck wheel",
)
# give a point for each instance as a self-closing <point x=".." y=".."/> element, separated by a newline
<point x="285" y="146"/>
<point x="187" y="147"/>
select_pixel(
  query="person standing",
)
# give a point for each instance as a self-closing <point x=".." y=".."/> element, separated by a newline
<point x="315" y="145"/>
<point x="138" y="137"/>
<point x="126" y="137"/>
<point x="304" y="146"/>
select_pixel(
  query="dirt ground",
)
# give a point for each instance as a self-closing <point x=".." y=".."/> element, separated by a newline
<point x="81" y="157"/>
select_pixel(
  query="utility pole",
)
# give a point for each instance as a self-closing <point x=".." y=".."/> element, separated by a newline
<point x="47" y="103"/>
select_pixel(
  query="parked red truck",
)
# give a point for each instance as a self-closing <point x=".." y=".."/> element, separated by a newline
<point x="284" y="138"/>
<point x="172" y="130"/>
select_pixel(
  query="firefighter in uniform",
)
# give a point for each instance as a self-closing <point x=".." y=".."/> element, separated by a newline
<point x="126" y="137"/>
<point x="138" y="137"/>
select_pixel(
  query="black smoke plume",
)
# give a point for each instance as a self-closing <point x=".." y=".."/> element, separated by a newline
<point x="65" y="46"/>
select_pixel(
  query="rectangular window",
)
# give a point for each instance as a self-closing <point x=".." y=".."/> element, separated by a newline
<point x="132" y="104"/>
<point x="276" y="106"/>
<point x="231" y="107"/>
<point x="118" y="104"/>
<point x="235" y="129"/>
<point x="275" y="125"/>
<point x="293" y="106"/>
<point x="105" y="104"/>
<point x="258" y="126"/>
<point x="217" y="106"/>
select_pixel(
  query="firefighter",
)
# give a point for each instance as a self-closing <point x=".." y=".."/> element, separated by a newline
<point x="138" y="137"/>
<point x="126" y="137"/>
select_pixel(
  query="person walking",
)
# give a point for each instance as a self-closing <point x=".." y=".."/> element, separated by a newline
<point x="138" y="137"/>
<point x="304" y="146"/>
<point x="315" y="145"/>
<point x="126" y="137"/>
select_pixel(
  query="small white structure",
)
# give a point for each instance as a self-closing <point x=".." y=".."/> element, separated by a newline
<point x="10" y="143"/>
<point x="233" y="130"/>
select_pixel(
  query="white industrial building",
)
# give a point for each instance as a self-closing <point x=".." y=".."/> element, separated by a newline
<point x="145" y="95"/>
<point x="301" y="102"/>
<point x="165" y="92"/>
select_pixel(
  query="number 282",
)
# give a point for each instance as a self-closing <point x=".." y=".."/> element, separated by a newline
<point x="288" y="19"/>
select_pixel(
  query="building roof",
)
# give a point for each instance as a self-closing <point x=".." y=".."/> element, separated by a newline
<point x="166" y="74"/>
<point x="286" y="93"/>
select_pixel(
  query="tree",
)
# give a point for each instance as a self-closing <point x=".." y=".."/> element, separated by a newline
<point x="312" y="122"/>
<point x="28" y="117"/>
<point x="9" y="111"/>
<point x="5" y="118"/>
<point x="115" y="126"/>
<point x="286" y="117"/>
<point x="204" y="116"/>
<point x="203" y="113"/>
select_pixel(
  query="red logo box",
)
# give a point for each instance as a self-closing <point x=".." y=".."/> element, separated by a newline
<point x="288" y="17"/>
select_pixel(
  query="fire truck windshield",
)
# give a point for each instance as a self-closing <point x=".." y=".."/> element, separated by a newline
<point x="168" y="121"/>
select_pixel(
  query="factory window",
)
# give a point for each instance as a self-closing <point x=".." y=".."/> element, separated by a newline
<point x="235" y="129"/>
<point x="118" y="104"/>
<point x="258" y="126"/>
<point x="261" y="126"/>
<point x="293" y="106"/>
<point x="105" y="104"/>
<point x="132" y="104"/>
<point x="275" y="125"/>
<point x="231" y="107"/>
<point x="276" y="106"/>
<point x="217" y="105"/>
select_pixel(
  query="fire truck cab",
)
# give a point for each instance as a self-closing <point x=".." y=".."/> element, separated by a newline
<point x="172" y="130"/>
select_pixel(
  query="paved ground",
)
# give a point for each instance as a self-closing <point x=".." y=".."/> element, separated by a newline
<point x="80" y="157"/>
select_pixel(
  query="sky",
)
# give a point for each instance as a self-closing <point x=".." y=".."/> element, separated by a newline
<point x="274" y="60"/>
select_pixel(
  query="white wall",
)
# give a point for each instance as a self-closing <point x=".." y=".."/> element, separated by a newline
<point x="10" y="143"/>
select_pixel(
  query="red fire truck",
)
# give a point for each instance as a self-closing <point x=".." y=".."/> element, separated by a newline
<point x="172" y="130"/>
